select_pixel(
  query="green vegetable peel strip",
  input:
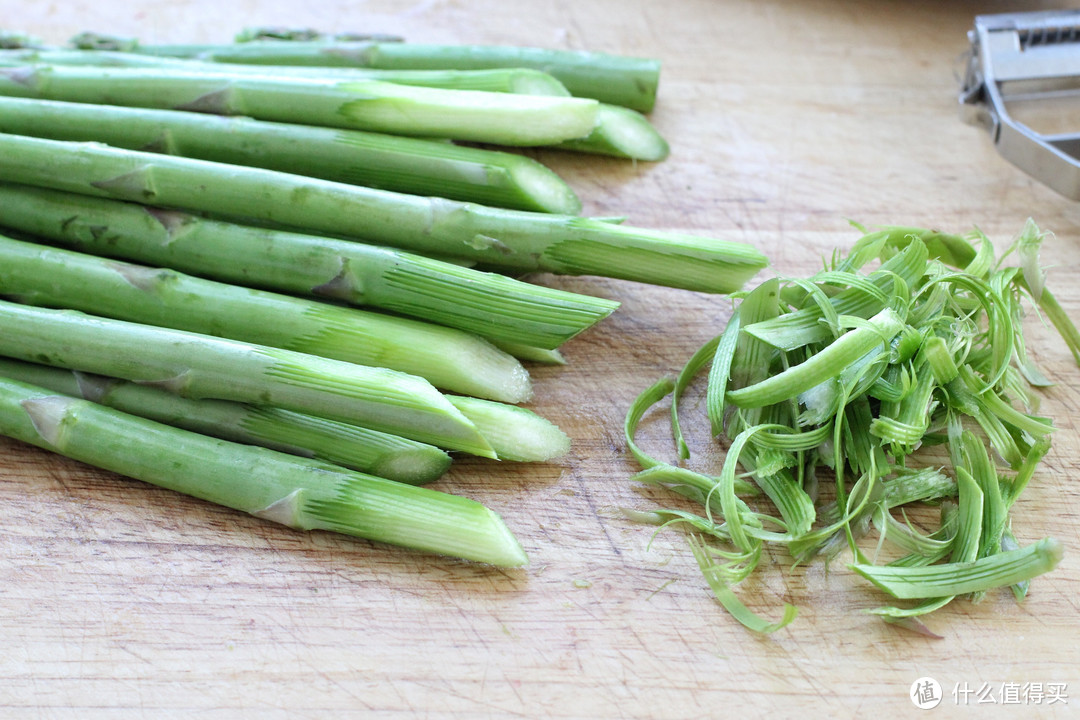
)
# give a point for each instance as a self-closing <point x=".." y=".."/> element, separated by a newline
<point x="853" y="373"/>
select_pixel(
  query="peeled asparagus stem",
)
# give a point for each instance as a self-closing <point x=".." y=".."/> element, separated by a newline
<point x="521" y="81"/>
<point x="615" y="79"/>
<point x="301" y="494"/>
<point x="449" y="359"/>
<point x="200" y="366"/>
<point x="498" y="118"/>
<point x="389" y="456"/>
<point x="400" y="164"/>
<point x="488" y="304"/>
<point x="508" y="239"/>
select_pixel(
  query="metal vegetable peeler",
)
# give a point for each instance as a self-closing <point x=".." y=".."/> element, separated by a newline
<point x="1022" y="83"/>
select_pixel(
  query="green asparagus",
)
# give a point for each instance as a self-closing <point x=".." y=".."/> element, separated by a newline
<point x="509" y="239"/>
<point x="615" y="79"/>
<point x="498" y="118"/>
<point x="400" y="164"/>
<point x="487" y="304"/>
<point x="521" y="81"/>
<point x="449" y="359"/>
<point x="299" y="493"/>
<point x="350" y="446"/>
<point x="200" y="366"/>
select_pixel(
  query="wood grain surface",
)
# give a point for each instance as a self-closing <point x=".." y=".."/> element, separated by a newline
<point x="119" y="600"/>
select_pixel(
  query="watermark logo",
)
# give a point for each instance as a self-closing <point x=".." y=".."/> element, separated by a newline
<point x="925" y="693"/>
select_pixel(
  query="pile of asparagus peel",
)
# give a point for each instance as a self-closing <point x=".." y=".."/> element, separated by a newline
<point x="281" y="274"/>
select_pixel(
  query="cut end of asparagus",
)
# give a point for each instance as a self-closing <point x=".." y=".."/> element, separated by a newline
<point x="516" y="434"/>
<point x="414" y="467"/>
<point x="492" y="305"/>
<point x="416" y="518"/>
<point x="543" y="189"/>
<point x="526" y="81"/>
<point x="401" y="405"/>
<point x="625" y="133"/>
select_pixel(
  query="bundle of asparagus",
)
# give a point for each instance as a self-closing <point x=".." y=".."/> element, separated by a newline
<point x="253" y="237"/>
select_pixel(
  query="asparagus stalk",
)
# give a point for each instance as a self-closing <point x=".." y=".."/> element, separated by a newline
<point x="389" y="456"/>
<point x="299" y="493"/>
<point x="509" y="239"/>
<point x="521" y="81"/>
<point x="497" y="307"/>
<point x="201" y="366"/>
<point x="619" y="80"/>
<point x="449" y="359"/>
<point x="498" y="118"/>
<point x="400" y="164"/>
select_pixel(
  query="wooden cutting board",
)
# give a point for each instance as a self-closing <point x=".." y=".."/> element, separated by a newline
<point x="120" y="600"/>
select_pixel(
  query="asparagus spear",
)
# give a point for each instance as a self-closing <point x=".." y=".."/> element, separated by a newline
<point x="498" y="118"/>
<point x="521" y="81"/>
<point x="389" y="456"/>
<point x="449" y="359"/>
<point x="509" y="239"/>
<point x="407" y="165"/>
<point x="615" y="79"/>
<point x="488" y="304"/>
<point x="619" y="132"/>
<point x="299" y="493"/>
<point x="201" y="366"/>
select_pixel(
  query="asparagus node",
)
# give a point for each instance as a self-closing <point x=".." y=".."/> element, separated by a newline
<point x="521" y="81"/>
<point x="508" y="239"/>
<point x="616" y="79"/>
<point x="299" y="493"/>
<point x="389" y="456"/>
<point x="201" y="366"/>
<point x="621" y="132"/>
<point x="399" y="164"/>
<point x="449" y="359"/>
<point x="487" y="304"/>
<point x="498" y="118"/>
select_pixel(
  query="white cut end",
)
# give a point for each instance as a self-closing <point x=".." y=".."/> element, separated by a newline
<point x="546" y="189"/>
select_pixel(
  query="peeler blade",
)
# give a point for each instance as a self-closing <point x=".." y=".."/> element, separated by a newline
<point x="1024" y="67"/>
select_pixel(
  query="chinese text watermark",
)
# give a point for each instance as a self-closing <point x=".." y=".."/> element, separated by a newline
<point x="926" y="693"/>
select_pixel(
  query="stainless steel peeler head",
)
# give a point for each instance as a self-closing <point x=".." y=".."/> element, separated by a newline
<point x="1022" y="83"/>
